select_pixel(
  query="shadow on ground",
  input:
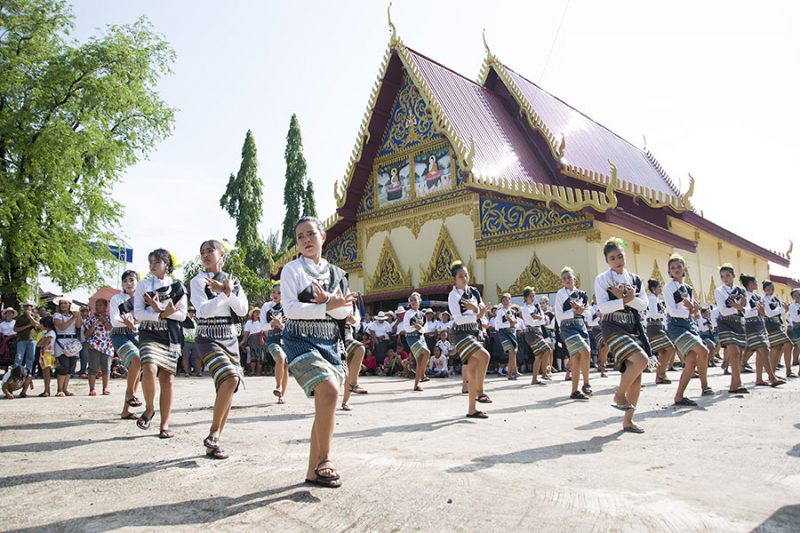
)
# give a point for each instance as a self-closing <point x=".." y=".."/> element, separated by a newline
<point x="787" y="518"/>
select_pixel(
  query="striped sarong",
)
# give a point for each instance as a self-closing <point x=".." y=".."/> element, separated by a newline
<point x="575" y="335"/>
<point x="622" y="341"/>
<point x="731" y="331"/>
<point x="417" y="345"/>
<point x="755" y="334"/>
<point x="597" y="333"/>
<point x="657" y="335"/>
<point x="156" y="352"/>
<point x="777" y="335"/>
<point x="534" y="339"/>
<point x="466" y="341"/>
<point x="221" y="359"/>
<point x="508" y="338"/>
<point x="683" y="333"/>
<point x="350" y="347"/>
<point x="125" y="343"/>
<point x="312" y="348"/>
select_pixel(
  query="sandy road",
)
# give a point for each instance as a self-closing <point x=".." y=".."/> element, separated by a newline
<point x="410" y="461"/>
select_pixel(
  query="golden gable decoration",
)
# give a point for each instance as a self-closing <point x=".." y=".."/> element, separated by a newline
<point x="687" y="279"/>
<point x="389" y="275"/>
<point x="444" y="253"/>
<point x="537" y="275"/>
<point x="710" y="299"/>
<point x="656" y="274"/>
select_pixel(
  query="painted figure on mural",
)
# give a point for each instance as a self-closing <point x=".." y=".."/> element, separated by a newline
<point x="432" y="172"/>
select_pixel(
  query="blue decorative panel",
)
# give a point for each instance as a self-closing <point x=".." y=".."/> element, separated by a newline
<point x="410" y="123"/>
<point x="343" y="251"/>
<point x="500" y="217"/>
<point x="368" y="199"/>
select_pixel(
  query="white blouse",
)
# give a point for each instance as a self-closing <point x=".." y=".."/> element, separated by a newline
<point x="7" y="328"/>
<point x="561" y="296"/>
<point x="69" y="330"/>
<point x="266" y="325"/>
<point x="793" y="314"/>
<point x="294" y="280"/>
<point x="721" y="295"/>
<point x="768" y="310"/>
<point x="253" y="327"/>
<point x="149" y="284"/>
<point x="220" y="305"/>
<point x="113" y="310"/>
<point x="407" y="316"/>
<point x="605" y="281"/>
<point x="653" y="313"/>
<point x="454" y="304"/>
<point x="528" y="310"/>
<point x="502" y="319"/>
<point x="677" y="310"/>
<point x="751" y="309"/>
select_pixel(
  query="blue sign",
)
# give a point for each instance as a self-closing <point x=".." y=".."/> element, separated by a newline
<point x="121" y="253"/>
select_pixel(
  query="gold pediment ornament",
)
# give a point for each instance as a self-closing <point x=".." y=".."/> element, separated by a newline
<point x="656" y="274"/>
<point x="444" y="253"/>
<point x="536" y="275"/>
<point x="389" y="275"/>
<point x="688" y="280"/>
<point x="712" y="287"/>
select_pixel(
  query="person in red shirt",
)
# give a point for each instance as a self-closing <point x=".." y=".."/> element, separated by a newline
<point x="370" y="363"/>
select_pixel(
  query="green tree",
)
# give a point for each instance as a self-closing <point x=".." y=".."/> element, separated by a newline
<point x="244" y="196"/>
<point x="309" y="203"/>
<point x="73" y="116"/>
<point x="294" y="189"/>
<point x="255" y="286"/>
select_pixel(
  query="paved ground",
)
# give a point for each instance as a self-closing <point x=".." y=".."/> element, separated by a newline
<point x="409" y="461"/>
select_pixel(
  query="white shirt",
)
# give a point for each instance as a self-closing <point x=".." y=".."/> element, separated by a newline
<point x="265" y="309"/>
<point x="714" y="317"/>
<point x="380" y="328"/>
<point x="703" y="325"/>
<point x="593" y="316"/>
<point x="444" y="346"/>
<point x="562" y="296"/>
<point x="113" y="310"/>
<point x="502" y="319"/>
<point x="253" y="327"/>
<point x="677" y="310"/>
<point x="528" y="310"/>
<point x="220" y="305"/>
<point x="7" y="328"/>
<point x="294" y="280"/>
<point x="454" y="304"/>
<point x="440" y="363"/>
<point x="143" y="312"/>
<point x="605" y="281"/>
<point x="768" y="301"/>
<point x="407" y="316"/>
<point x="653" y="312"/>
<point x="793" y="314"/>
<point x="751" y="304"/>
<point x="69" y="330"/>
<point x="446" y="325"/>
<point x="721" y="295"/>
<point x="431" y="326"/>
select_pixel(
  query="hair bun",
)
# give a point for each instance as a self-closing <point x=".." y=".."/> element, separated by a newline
<point x="676" y="256"/>
<point x="617" y="242"/>
<point x="456" y="263"/>
<point x="567" y="269"/>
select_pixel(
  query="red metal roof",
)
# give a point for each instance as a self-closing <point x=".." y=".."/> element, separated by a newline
<point x="590" y="145"/>
<point x="475" y="112"/>
<point x="791" y="282"/>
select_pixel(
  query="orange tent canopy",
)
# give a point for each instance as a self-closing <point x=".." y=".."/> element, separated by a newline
<point x="103" y="293"/>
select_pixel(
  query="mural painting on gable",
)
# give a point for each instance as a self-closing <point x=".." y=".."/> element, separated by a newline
<point x="432" y="172"/>
<point x="394" y="182"/>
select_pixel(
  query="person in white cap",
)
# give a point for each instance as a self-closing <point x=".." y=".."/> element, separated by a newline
<point x="7" y="338"/>
<point x="379" y="330"/>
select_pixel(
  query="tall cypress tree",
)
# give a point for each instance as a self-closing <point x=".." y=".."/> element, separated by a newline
<point x="309" y="203"/>
<point x="243" y="201"/>
<point x="294" y="190"/>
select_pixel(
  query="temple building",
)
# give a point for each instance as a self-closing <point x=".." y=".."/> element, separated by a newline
<point x="513" y="181"/>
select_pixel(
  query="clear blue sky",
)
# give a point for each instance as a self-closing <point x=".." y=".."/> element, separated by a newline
<point x="713" y="85"/>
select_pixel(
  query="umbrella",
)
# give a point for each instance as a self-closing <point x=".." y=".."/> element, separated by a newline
<point x="103" y="293"/>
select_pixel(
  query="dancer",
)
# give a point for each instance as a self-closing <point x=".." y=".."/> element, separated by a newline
<point x="221" y="304"/>
<point x="550" y="336"/>
<point x="793" y="324"/>
<point x="534" y="319"/>
<point x="273" y="320"/>
<point x="681" y="309"/>
<point x="355" y="357"/>
<point x="730" y="302"/>
<point x="660" y="343"/>
<point x="467" y="307"/>
<point x="505" y="324"/>
<point x="414" y="326"/>
<point x="621" y="297"/>
<point x="593" y="319"/>
<point x="756" y="332"/>
<point x="68" y="323"/>
<point x="125" y="340"/>
<point x="159" y="303"/>
<point x="571" y="307"/>
<point x="317" y="302"/>
<point x="779" y="342"/>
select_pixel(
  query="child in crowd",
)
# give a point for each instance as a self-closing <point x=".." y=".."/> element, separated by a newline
<point x="15" y="379"/>
<point x="47" y="358"/>
<point x="438" y="365"/>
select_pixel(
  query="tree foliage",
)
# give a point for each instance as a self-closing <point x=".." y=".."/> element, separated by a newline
<point x="244" y="197"/>
<point x="256" y="287"/>
<point x="309" y="202"/>
<point x="294" y="188"/>
<point x="73" y="116"/>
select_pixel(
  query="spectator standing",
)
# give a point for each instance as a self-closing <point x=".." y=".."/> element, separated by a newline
<point x="8" y="338"/>
<point x="68" y="323"/>
<point x="97" y="332"/>
<point x="26" y="327"/>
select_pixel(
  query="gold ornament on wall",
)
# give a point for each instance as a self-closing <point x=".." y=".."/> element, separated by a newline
<point x="713" y="287"/>
<point x="537" y="275"/>
<point x="656" y="274"/>
<point x="389" y="275"/>
<point x="444" y="253"/>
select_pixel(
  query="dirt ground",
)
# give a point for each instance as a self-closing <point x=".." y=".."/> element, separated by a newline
<point x="409" y="461"/>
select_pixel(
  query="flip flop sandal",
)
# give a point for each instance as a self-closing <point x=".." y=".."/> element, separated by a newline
<point x="346" y="407"/>
<point x="331" y="482"/>
<point x="483" y="398"/>
<point x="281" y="400"/>
<point x="418" y="389"/>
<point x="133" y="401"/>
<point x="538" y="383"/>
<point x="633" y="429"/>
<point x="625" y="407"/>
<point x="92" y="393"/>
<point x="144" y="420"/>
<point x="44" y="395"/>
<point x="217" y="453"/>
<point x="106" y="392"/>
<point x="708" y="391"/>
<point x="165" y="434"/>
<point x="130" y="416"/>
<point x="276" y="393"/>
<point x="211" y="442"/>
<point x="587" y="390"/>
<point x="762" y="384"/>
<point x="685" y="402"/>
<point x="358" y="390"/>
<point x="477" y="414"/>
<point x="777" y="383"/>
<point x="60" y="395"/>
<point x="742" y="390"/>
<point x="578" y="395"/>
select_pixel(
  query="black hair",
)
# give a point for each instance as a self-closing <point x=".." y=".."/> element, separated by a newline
<point x="456" y="266"/>
<point x="215" y="243"/>
<point x="313" y="220"/>
<point x="19" y="373"/>
<point x="128" y="273"/>
<point x="766" y="283"/>
<point x="652" y="285"/>
<point x="48" y="322"/>
<point x="164" y="255"/>
<point x="727" y="267"/>
<point x="745" y="280"/>
<point x="528" y="291"/>
<point x="611" y="245"/>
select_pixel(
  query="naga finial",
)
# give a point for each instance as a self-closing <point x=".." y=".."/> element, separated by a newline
<point x="395" y="39"/>
<point x="644" y="139"/>
<point x="489" y="53"/>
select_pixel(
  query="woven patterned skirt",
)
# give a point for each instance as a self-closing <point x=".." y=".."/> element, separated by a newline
<point x="657" y="335"/>
<point x="597" y="333"/>
<point x="126" y="344"/>
<point x="221" y="358"/>
<point x="154" y="349"/>
<point x="417" y="345"/>
<point x="314" y="352"/>
<point x="575" y="335"/>
<point x="350" y="347"/>
<point x="731" y="331"/>
<point x="683" y="333"/>
<point x="465" y="341"/>
<point x="795" y="333"/>
<point x="508" y="338"/>
<point x="622" y="342"/>
<point x="274" y="347"/>
<point x="755" y="334"/>
<point x="776" y="334"/>
<point x="534" y="339"/>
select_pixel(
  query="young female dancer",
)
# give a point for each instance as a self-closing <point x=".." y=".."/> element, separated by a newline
<point x="593" y="319"/>
<point x="571" y="307"/>
<point x="125" y="339"/>
<point x="756" y="332"/>
<point x="550" y="336"/>
<point x="467" y="307"/>
<point x="355" y="357"/>
<point x="793" y="324"/>
<point x="778" y="340"/>
<point x="621" y="297"/>
<point x="506" y="323"/>
<point x="660" y="343"/>
<point x="159" y="303"/>
<point x="68" y="324"/>
<point x="316" y="301"/>
<point x="730" y="302"/>
<point x="413" y="325"/>
<point x="534" y="319"/>
<point x="681" y="309"/>
<point x="273" y="320"/>
<point x="221" y="303"/>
